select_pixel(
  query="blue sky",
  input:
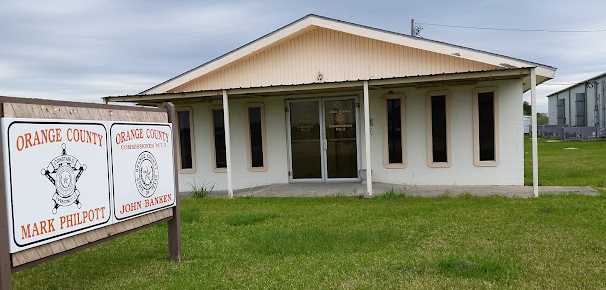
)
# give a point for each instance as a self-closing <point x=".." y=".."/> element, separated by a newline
<point x="84" y="50"/>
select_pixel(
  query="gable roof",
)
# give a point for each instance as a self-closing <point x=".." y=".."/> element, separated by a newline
<point x="312" y="20"/>
<point x="576" y="84"/>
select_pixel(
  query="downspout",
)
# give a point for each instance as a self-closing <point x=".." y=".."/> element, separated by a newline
<point x="586" y="106"/>
<point x="604" y="103"/>
<point x="596" y="109"/>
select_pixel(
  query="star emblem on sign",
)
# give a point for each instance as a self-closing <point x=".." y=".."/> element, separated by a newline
<point x="64" y="171"/>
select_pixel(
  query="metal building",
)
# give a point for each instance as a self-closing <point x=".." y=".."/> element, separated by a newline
<point x="578" y="111"/>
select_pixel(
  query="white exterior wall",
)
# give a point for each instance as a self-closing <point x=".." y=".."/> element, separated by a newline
<point x="462" y="171"/>
<point x="275" y="133"/>
<point x="509" y="171"/>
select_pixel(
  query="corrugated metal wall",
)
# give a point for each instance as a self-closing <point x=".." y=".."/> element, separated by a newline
<point x="595" y="106"/>
<point x="337" y="56"/>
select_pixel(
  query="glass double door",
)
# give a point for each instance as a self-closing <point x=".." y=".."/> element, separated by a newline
<point x="323" y="139"/>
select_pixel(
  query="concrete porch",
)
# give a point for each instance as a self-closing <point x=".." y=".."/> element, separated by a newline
<point x="324" y="189"/>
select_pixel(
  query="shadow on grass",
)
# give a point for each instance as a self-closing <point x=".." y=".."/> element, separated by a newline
<point x="315" y="240"/>
<point x="246" y="219"/>
<point x="191" y="215"/>
<point x="484" y="268"/>
<point x="96" y="266"/>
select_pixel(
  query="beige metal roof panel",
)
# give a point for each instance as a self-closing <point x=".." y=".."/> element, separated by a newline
<point x="311" y="20"/>
<point x="324" y="55"/>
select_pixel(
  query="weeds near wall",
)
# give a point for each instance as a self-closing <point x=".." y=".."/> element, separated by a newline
<point x="391" y="194"/>
<point x="201" y="190"/>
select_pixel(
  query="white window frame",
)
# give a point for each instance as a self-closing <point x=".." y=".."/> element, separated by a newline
<point x="386" y="163"/>
<point x="263" y="138"/>
<point x="476" y="128"/>
<point x="447" y="97"/>
<point x="213" y="158"/>
<point x="191" y="139"/>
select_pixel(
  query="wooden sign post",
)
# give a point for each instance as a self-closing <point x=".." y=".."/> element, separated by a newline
<point x="108" y="170"/>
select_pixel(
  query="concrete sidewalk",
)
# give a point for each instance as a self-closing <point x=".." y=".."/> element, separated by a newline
<point x="356" y="189"/>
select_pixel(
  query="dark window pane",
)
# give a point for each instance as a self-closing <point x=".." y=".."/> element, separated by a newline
<point x="581" y="109"/>
<point x="438" y="129"/>
<point x="219" y="129"/>
<point x="256" y="136"/>
<point x="394" y="130"/>
<point x="486" y="126"/>
<point x="185" y="139"/>
<point x="561" y="112"/>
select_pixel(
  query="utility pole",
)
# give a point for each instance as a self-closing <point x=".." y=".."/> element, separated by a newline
<point x="412" y="27"/>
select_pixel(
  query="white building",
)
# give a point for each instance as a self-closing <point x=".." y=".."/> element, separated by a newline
<point x="323" y="100"/>
<point x="580" y="105"/>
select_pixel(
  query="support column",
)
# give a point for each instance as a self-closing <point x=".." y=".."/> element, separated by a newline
<point x="174" y="224"/>
<point x="367" y="140"/>
<point x="535" y="149"/>
<point x="5" y="256"/>
<point x="230" y="191"/>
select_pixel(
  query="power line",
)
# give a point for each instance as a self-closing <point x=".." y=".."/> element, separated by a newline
<point x="514" y="29"/>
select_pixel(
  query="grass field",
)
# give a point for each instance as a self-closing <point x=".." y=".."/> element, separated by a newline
<point x="351" y="243"/>
<point x="569" y="163"/>
<point x="387" y="242"/>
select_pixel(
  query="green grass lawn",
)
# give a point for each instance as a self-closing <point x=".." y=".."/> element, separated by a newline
<point x="585" y="165"/>
<point x="390" y="242"/>
<point x="352" y="243"/>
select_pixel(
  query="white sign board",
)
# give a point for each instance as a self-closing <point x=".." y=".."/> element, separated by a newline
<point x="143" y="168"/>
<point x="64" y="178"/>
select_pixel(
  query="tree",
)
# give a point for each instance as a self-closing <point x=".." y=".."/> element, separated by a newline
<point x="527" y="108"/>
<point x="542" y="119"/>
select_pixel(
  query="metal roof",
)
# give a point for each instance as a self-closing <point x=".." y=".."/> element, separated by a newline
<point x="576" y="84"/>
<point x="348" y="23"/>
<point x="218" y="92"/>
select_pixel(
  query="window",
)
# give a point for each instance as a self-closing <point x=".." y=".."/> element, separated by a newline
<point x="485" y="153"/>
<point x="394" y="133"/>
<point x="219" y="136"/>
<point x="581" y="110"/>
<point x="561" y="111"/>
<point x="184" y="118"/>
<point x="255" y="132"/>
<point x="438" y="131"/>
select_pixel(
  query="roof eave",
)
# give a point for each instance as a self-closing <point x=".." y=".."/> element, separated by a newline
<point x="409" y="80"/>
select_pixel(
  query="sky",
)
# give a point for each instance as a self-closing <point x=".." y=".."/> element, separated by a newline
<point x="85" y="50"/>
